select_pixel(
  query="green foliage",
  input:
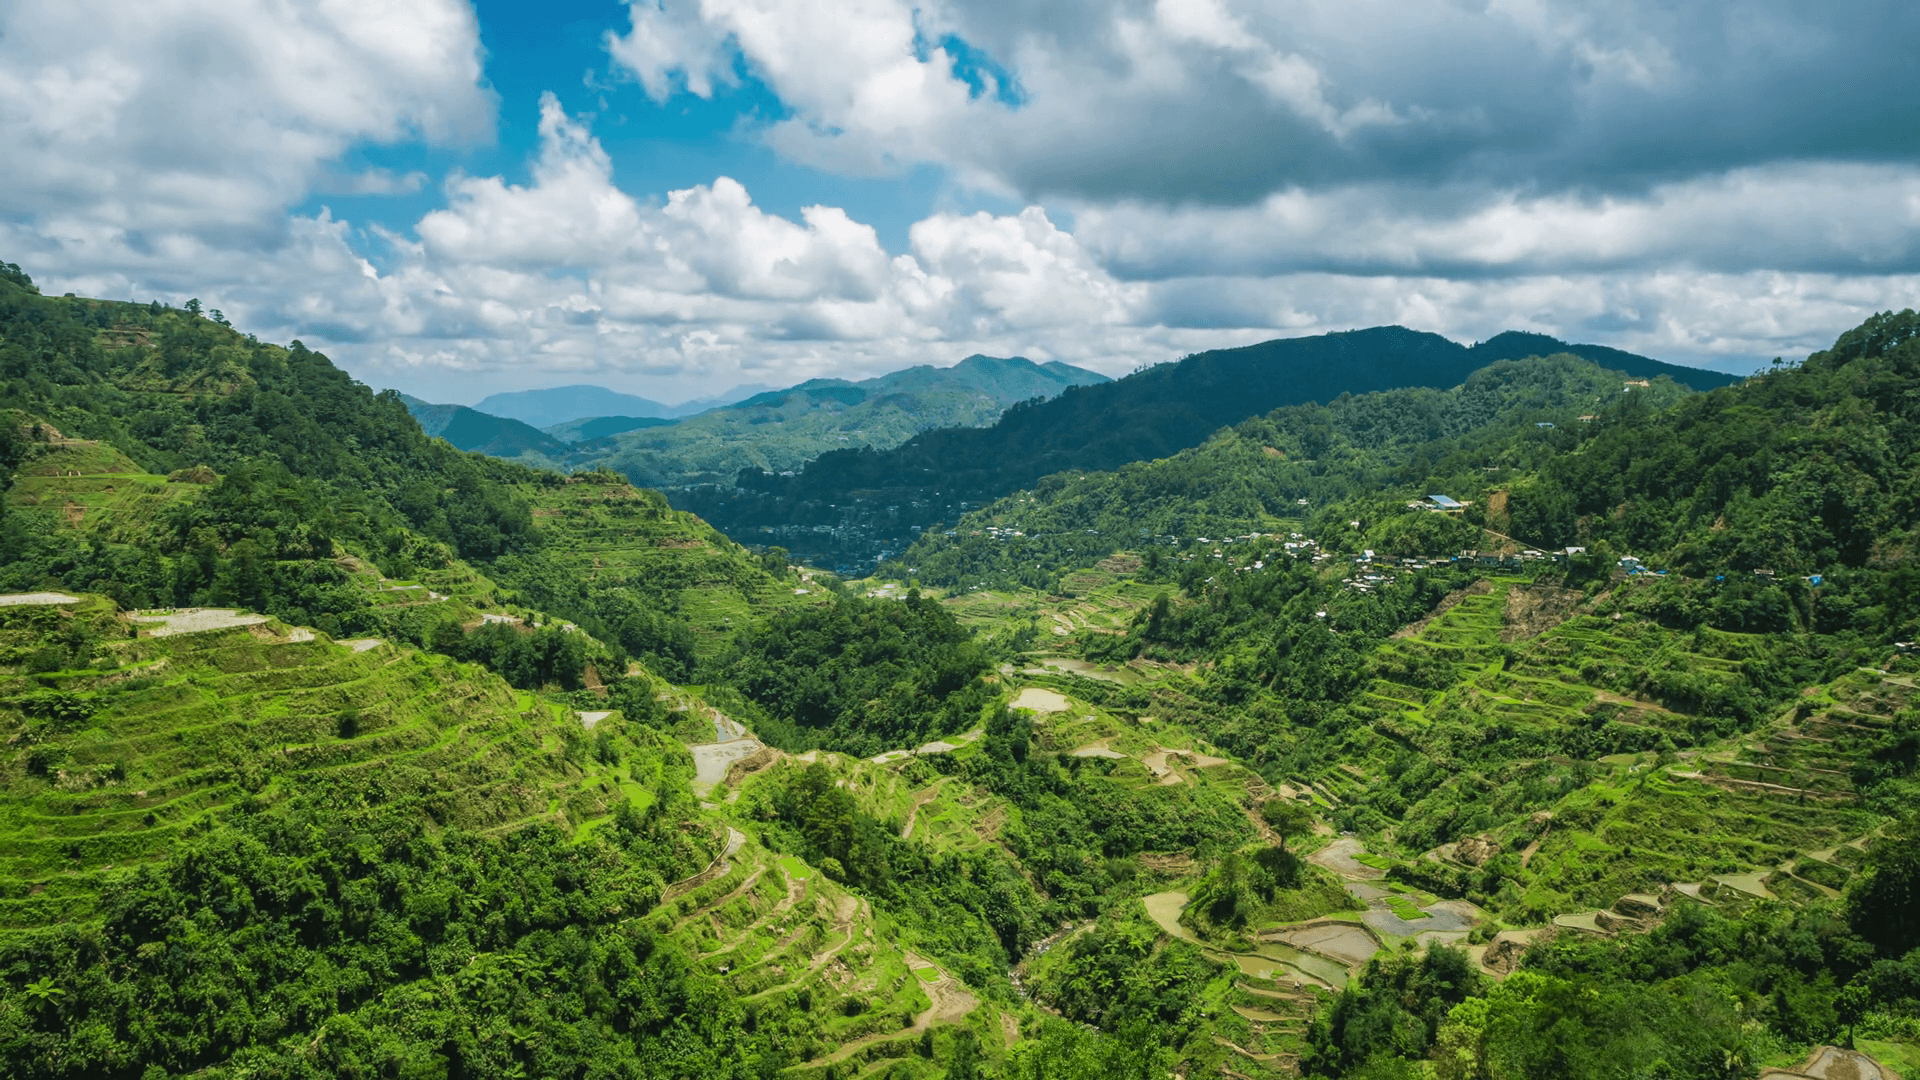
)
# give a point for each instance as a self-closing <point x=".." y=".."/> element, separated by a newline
<point x="973" y="908"/>
<point x="1118" y="974"/>
<point x="860" y="675"/>
<point x="1802" y="470"/>
<point x="298" y="943"/>
<point x="1883" y="904"/>
<point x="1394" y="1009"/>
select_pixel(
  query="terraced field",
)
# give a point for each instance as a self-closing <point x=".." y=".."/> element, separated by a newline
<point x="99" y="491"/>
<point x="179" y="716"/>
<point x="612" y="534"/>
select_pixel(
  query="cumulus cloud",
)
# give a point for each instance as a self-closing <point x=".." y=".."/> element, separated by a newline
<point x="1231" y="100"/>
<point x="574" y="270"/>
<point x="190" y="117"/>
<point x="1691" y="182"/>
<point x="1840" y="218"/>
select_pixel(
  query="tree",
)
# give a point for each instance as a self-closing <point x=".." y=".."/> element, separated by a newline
<point x="1286" y="818"/>
<point x="1884" y="904"/>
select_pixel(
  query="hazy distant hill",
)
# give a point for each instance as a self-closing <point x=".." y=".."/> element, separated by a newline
<point x="599" y="427"/>
<point x="558" y="404"/>
<point x="471" y="429"/>
<point x="783" y="429"/>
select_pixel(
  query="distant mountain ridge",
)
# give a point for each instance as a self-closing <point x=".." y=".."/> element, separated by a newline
<point x="496" y="436"/>
<point x="773" y="430"/>
<point x="559" y="404"/>
<point x="1150" y="414"/>
<point x="781" y="430"/>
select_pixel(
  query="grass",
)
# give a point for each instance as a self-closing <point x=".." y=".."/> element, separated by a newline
<point x="794" y="868"/>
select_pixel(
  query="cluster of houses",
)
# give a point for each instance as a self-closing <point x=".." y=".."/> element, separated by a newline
<point x="1373" y="571"/>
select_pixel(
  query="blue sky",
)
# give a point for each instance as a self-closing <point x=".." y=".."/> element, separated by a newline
<point x="670" y="197"/>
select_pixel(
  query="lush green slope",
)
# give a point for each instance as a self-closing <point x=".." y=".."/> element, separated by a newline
<point x="1282" y="470"/>
<point x="166" y="459"/>
<point x="1236" y="808"/>
<point x="876" y="498"/>
<point x="128" y="735"/>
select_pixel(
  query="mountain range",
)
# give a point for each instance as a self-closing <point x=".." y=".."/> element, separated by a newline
<point x="543" y="408"/>
<point x="774" y="430"/>
<point x="1149" y="414"/>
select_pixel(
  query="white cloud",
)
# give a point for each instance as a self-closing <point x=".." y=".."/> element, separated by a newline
<point x="189" y="116"/>
<point x="1194" y="173"/>
<point x="1834" y="217"/>
<point x="1231" y="100"/>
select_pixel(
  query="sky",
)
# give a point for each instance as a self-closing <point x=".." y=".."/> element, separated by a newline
<point x="671" y="197"/>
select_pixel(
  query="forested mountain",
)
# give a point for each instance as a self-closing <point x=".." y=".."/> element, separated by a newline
<point x="494" y="436"/>
<point x="771" y="430"/>
<point x="595" y="792"/>
<point x="1299" y="467"/>
<point x="781" y="430"/>
<point x="167" y="460"/>
<point x="879" y="496"/>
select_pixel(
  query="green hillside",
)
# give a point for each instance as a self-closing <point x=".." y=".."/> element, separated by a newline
<point x="1279" y="471"/>
<point x="167" y="460"/>
<point x="148" y="727"/>
<point x="328" y="750"/>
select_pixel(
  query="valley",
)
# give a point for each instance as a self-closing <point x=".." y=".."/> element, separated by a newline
<point x="332" y="750"/>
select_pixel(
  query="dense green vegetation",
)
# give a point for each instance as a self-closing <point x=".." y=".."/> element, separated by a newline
<point x="167" y="460"/>
<point x="1704" y="994"/>
<point x="860" y="675"/>
<point x="1252" y="806"/>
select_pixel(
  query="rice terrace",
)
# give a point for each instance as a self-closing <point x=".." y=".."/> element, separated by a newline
<point x="942" y="541"/>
